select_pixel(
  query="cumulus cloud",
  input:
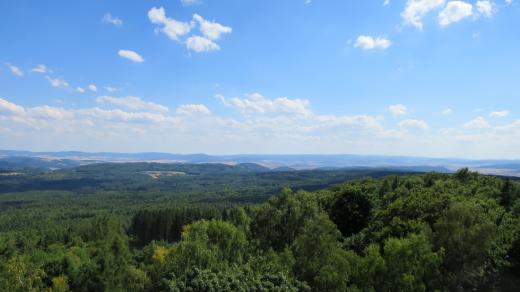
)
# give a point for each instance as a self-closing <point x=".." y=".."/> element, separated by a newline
<point x="455" y="11"/>
<point x="398" y="109"/>
<point x="40" y="69"/>
<point x="368" y="43"/>
<point x="15" y="70"/>
<point x="132" y="103"/>
<point x="57" y="82"/>
<point x="80" y="90"/>
<point x="477" y="123"/>
<point x="415" y="10"/>
<point x="211" y="30"/>
<point x="171" y="27"/>
<point x="131" y="55"/>
<point x="201" y="44"/>
<point x="118" y="129"/>
<point x="411" y="124"/>
<point x="108" y="18"/>
<point x="92" y="87"/>
<point x="499" y="114"/>
<point x="189" y="109"/>
<point x="108" y="128"/>
<point x="257" y="103"/>
<point x="486" y="8"/>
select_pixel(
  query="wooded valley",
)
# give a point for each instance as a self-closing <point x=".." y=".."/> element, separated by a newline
<point x="116" y="227"/>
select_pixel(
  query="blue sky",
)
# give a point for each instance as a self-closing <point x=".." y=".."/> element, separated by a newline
<point x="417" y="77"/>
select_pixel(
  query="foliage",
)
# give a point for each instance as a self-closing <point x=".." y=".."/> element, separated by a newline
<point x="113" y="228"/>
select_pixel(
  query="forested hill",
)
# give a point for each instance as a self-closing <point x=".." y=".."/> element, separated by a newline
<point x="420" y="232"/>
<point x="68" y="159"/>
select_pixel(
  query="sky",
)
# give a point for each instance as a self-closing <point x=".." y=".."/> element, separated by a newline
<point x="432" y="78"/>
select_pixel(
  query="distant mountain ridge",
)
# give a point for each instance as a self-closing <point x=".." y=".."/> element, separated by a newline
<point x="275" y="162"/>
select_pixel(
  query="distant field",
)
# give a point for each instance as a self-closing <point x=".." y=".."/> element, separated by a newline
<point x="158" y="174"/>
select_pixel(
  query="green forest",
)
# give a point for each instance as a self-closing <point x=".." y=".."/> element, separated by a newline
<point x="153" y="227"/>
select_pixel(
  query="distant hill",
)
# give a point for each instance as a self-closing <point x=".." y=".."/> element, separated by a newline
<point x="257" y="162"/>
<point x="17" y="162"/>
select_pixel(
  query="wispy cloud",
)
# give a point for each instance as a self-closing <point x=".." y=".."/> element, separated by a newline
<point x="190" y="2"/>
<point x="499" y="114"/>
<point x="57" y="82"/>
<point x="411" y="124"/>
<point x="477" y="123"/>
<point x="190" y="109"/>
<point x="257" y="103"/>
<point x="132" y="103"/>
<point x="398" y="109"/>
<point x="447" y="111"/>
<point x="15" y="70"/>
<point x="41" y="69"/>
<point x="108" y="18"/>
<point x="131" y="55"/>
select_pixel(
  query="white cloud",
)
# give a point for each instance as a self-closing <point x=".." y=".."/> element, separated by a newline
<point x="57" y="82"/>
<point x="411" y="124"/>
<point x="15" y="70"/>
<point x="92" y="87"/>
<point x="48" y="112"/>
<point x="477" y="123"/>
<point x="108" y="18"/>
<point x="486" y="8"/>
<point x="368" y="43"/>
<point x="80" y="90"/>
<point x="40" y="69"/>
<point x="171" y="27"/>
<point x="447" y="111"/>
<point x="455" y="11"/>
<point x="415" y="10"/>
<point x="115" y="129"/>
<point x="398" y="109"/>
<point x="111" y="89"/>
<point x="9" y="107"/>
<point x="256" y="103"/>
<point x="211" y="30"/>
<point x="499" y="114"/>
<point x="508" y="2"/>
<point x="386" y="2"/>
<point x="131" y="55"/>
<point x="200" y="44"/>
<point x="188" y="109"/>
<point x="190" y="2"/>
<point x="132" y="103"/>
<point x="118" y="115"/>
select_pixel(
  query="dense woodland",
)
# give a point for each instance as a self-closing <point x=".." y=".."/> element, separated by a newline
<point x="105" y="228"/>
